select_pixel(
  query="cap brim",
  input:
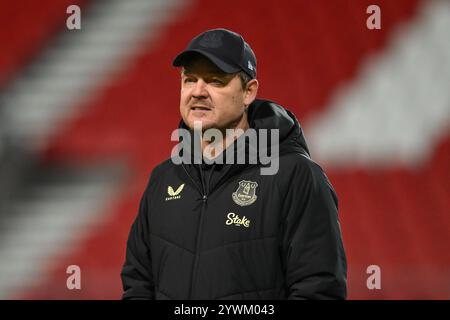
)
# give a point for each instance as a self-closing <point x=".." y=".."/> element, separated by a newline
<point x="180" y="60"/>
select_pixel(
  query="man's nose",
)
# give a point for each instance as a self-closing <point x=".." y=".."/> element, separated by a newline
<point x="200" y="89"/>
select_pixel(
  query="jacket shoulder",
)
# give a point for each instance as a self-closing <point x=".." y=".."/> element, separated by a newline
<point x="157" y="173"/>
<point x="299" y="162"/>
<point x="162" y="168"/>
<point x="303" y="169"/>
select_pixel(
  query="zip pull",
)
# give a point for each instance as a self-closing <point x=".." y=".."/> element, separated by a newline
<point x="205" y="197"/>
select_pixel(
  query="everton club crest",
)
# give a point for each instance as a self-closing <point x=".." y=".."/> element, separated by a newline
<point x="245" y="194"/>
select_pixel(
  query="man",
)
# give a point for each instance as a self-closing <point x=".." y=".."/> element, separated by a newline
<point x="222" y="230"/>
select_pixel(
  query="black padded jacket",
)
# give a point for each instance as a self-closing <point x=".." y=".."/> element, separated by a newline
<point x="224" y="231"/>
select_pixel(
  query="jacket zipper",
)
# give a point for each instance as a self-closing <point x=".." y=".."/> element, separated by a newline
<point x="197" y="249"/>
<point x="199" y="230"/>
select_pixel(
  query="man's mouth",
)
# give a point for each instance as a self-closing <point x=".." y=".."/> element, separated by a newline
<point x="200" y="108"/>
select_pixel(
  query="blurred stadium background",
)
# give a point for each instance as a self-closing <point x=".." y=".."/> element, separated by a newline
<point x="86" y="114"/>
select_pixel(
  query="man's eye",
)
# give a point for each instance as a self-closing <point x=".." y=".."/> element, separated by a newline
<point x="188" y="80"/>
<point x="217" y="81"/>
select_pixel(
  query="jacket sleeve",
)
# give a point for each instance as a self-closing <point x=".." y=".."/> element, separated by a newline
<point x="137" y="278"/>
<point x="313" y="252"/>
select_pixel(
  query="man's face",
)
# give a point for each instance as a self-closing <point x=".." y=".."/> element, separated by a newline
<point x="210" y="96"/>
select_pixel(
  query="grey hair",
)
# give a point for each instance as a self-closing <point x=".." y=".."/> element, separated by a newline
<point x="245" y="78"/>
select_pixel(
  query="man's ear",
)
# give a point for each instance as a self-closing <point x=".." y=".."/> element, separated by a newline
<point x="251" y="91"/>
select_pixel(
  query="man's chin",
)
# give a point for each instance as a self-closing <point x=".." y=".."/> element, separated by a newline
<point x="201" y="124"/>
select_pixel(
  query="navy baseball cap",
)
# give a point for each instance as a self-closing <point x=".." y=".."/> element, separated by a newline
<point x="225" y="48"/>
